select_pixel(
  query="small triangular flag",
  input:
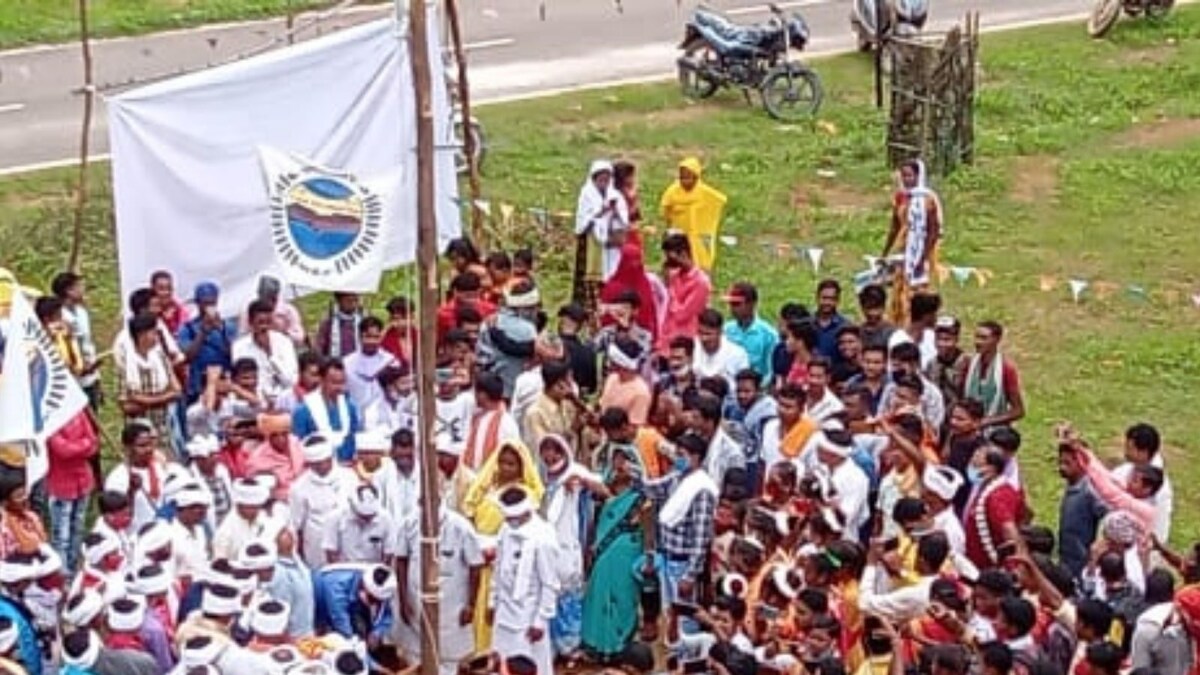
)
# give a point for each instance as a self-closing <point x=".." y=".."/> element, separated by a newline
<point x="983" y="276"/>
<point x="1077" y="288"/>
<point x="729" y="240"/>
<point x="1136" y="291"/>
<point x="814" y="257"/>
<point x="484" y="205"/>
<point x="872" y="260"/>
<point x="1196" y="300"/>
<point x="506" y="212"/>
<point x="801" y="252"/>
<point x="961" y="274"/>
<point x="539" y="214"/>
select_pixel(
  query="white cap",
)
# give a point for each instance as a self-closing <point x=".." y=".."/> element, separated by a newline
<point x="943" y="481"/>
<point x="257" y="555"/>
<point x="823" y="443"/>
<point x="221" y="600"/>
<point x="97" y="546"/>
<point x="50" y="561"/>
<point x="285" y="656"/>
<point x="372" y="441"/>
<point x="270" y="618"/>
<point x="734" y="585"/>
<point x="127" y="614"/>
<point x="202" y="445"/>
<point x="82" y="609"/>
<point x="379" y="582"/>
<point x="316" y="449"/>
<point x="517" y="510"/>
<point x="250" y="492"/>
<point x="192" y="495"/>
<point x="782" y="577"/>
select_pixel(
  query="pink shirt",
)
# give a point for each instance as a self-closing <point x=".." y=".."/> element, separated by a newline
<point x="687" y="297"/>
<point x="285" y="467"/>
<point x="633" y="397"/>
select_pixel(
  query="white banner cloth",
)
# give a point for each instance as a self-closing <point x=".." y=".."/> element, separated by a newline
<point x="38" y="393"/>
<point x="188" y="187"/>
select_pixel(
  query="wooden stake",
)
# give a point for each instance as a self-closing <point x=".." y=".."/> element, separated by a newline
<point x="427" y="278"/>
<point x="464" y="102"/>
<point x="85" y="134"/>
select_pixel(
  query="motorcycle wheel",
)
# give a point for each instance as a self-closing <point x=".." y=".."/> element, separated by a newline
<point x="791" y="93"/>
<point x="692" y="80"/>
<point x="1103" y="16"/>
<point x="460" y="150"/>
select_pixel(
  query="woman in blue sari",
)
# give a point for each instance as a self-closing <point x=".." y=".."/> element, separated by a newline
<point x="611" y="605"/>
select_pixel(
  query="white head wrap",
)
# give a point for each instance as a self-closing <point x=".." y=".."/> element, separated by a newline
<point x="444" y="442"/>
<point x="201" y="650"/>
<point x="126" y="614"/>
<point x="257" y="555"/>
<point x="8" y="637"/>
<point x="51" y="561"/>
<point x="382" y="588"/>
<point x="88" y="658"/>
<point x="12" y="572"/>
<point x="823" y="443"/>
<point x="270" y="618"/>
<point x="204" y="445"/>
<point x="150" y="580"/>
<point x="365" y="501"/>
<point x="779" y="576"/>
<point x="83" y="609"/>
<point x="620" y="359"/>
<point x="192" y="495"/>
<point x="250" y="492"/>
<point x="372" y="441"/>
<point x="221" y="600"/>
<point x="155" y="537"/>
<point x="102" y="545"/>
<point x="526" y="300"/>
<point x="943" y="481"/>
<point x="517" y="510"/>
<point x="317" y="449"/>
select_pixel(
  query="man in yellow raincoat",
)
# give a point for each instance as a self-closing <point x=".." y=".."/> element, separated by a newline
<point x="694" y="207"/>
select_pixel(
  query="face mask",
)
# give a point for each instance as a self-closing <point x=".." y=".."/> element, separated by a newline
<point x="681" y="464"/>
<point x="974" y="475"/>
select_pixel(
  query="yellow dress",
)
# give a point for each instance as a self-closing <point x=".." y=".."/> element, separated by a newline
<point x="481" y="506"/>
<point x="696" y="213"/>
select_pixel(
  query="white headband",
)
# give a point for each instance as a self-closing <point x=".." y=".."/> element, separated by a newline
<point x="620" y="359"/>
<point x="98" y="551"/>
<point x="150" y="580"/>
<point x="779" y="576"/>
<point x="156" y="538"/>
<point x="382" y="591"/>
<point x="942" y="481"/>
<point x="203" y="654"/>
<point x="255" y="561"/>
<point x="85" y="611"/>
<point x="130" y="620"/>
<point x="734" y="585"/>
<point x="51" y="561"/>
<point x="517" y="510"/>
<point x="317" y="449"/>
<point x="221" y="604"/>
<point x="265" y="622"/>
<point x="8" y="638"/>
<point x="89" y="655"/>
<point x="365" y="502"/>
<point x="250" y="492"/>
<point x="371" y="441"/>
<point x="823" y="443"/>
<point x="192" y="495"/>
<point x="526" y="300"/>
<point x="16" y="572"/>
<point x="204" y="445"/>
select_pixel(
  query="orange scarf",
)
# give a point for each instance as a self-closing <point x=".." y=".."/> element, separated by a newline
<point x="796" y="438"/>
<point x="490" y="439"/>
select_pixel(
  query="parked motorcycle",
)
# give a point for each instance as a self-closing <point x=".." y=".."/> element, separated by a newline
<point x="898" y="18"/>
<point x="719" y="53"/>
<point x="1106" y="12"/>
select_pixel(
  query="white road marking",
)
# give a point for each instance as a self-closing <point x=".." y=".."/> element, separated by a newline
<point x="489" y="44"/>
<point x="11" y="107"/>
<point x="763" y="9"/>
<point x="54" y="164"/>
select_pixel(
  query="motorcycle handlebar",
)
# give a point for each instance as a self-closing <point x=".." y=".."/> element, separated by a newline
<point x="775" y="9"/>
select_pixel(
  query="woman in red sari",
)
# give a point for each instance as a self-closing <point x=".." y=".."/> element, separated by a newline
<point x="631" y="275"/>
<point x="625" y="180"/>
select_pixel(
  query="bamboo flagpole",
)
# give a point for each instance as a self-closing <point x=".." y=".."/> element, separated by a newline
<point x="85" y="135"/>
<point x="427" y="278"/>
<point x="468" y="137"/>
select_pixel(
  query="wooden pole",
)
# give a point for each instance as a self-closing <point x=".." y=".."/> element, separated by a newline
<point x="427" y="278"/>
<point x="879" y="54"/>
<point x="85" y="135"/>
<point x="464" y="102"/>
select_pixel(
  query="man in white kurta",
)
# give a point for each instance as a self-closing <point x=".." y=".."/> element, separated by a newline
<point x="316" y="497"/>
<point x="460" y="560"/>
<point x="524" y="590"/>
<point x="851" y="485"/>
<point x="246" y="522"/>
<point x="190" y="539"/>
<point x="362" y="532"/>
<point x="372" y="466"/>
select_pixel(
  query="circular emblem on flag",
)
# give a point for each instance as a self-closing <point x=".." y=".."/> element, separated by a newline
<point x="324" y="224"/>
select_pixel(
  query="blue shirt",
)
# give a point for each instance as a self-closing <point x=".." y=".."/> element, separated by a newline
<point x="758" y="339"/>
<point x="293" y="584"/>
<point x="27" y="641"/>
<point x="335" y="593"/>
<point x="303" y="425"/>
<point x="827" y="336"/>
<point x="217" y="350"/>
<point x="1079" y="515"/>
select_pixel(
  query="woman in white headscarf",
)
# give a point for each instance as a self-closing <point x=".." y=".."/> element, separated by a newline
<point x="603" y="213"/>
<point x="917" y="220"/>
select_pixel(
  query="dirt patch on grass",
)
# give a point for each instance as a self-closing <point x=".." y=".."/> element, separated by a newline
<point x="667" y="117"/>
<point x="1148" y="56"/>
<point x="1034" y="179"/>
<point x="834" y="196"/>
<point x="1163" y="133"/>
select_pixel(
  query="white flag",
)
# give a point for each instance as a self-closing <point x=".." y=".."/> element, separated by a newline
<point x="328" y="227"/>
<point x="38" y="393"/>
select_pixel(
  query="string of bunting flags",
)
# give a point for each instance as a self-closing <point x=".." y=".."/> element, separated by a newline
<point x="1079" y="287"/>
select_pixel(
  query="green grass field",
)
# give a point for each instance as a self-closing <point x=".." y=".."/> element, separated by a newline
<point x="25" y="22"/>
<point x="1087" y="168"/>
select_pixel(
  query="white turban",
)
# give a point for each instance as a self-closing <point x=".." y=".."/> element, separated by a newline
<point x="943" y="481"/>
<point x="371" y="441"/>
<point x="204" y="445"/>
<point x="270" y="618"/>
<point x="823" y="443"/>
<point x="192" y="495"/>
<point x="8" y="637"/>
<point x="257" y="555"/>
<point x="250" y="492"/>
<point x="150" y="580"/>
<point x="126" y="614"/>
<point x="365" y="501"/>
<point x="221" y="600"/>
<point x="379" y="582"/>
<point x="620" y="359"/>
<point x="83" y="609"/>
<point x="317" y="449"/>
<point x="88" y="658"/>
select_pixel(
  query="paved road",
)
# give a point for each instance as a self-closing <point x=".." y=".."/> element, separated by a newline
<point x="513" y="54"/>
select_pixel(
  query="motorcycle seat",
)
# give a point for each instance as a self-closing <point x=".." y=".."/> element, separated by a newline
<point x="728" y="37"/>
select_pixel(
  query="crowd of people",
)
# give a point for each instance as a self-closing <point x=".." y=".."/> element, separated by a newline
<point x="657" y="465"/>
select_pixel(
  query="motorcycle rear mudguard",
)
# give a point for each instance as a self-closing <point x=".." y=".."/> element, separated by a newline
<point x="862" y="17"/>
